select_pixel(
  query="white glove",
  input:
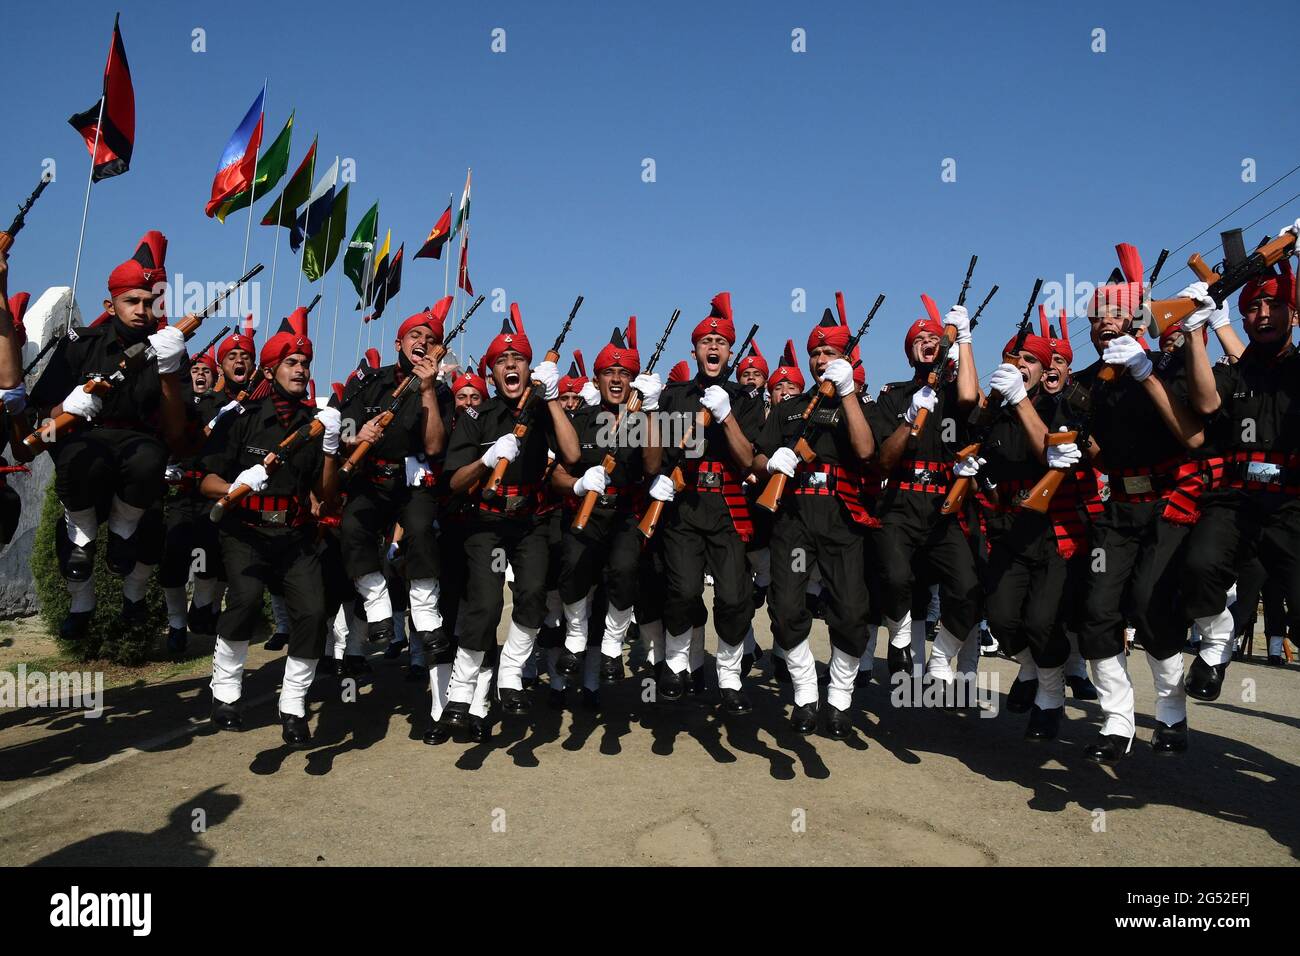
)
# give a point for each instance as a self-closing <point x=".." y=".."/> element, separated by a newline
<point x="507" y="447"/>
<point x="1009" y="383"/>
<point x="784" y="460"/>
<point x="959" y="320"/>
<point x="1291" y="227"/>
<point x="230" y="406"/>
<point x="924" y="398"/>
<point x="717" y="401"/>
<point x="1124" y="350"/>
<point x="593" y="479"/>
<point x="15" y="399"/>
<point x="661" y="489"/>
<point x="968" y="467"/>
<point x="1220" y="317"/>
<point x="651" y="388"/>
<point x="547" y="375"/>
<point x="393" y="549"/>
<point x="840" y="374"/>
<point x="1064" y="456"/>
<point x="168" y="345"/>
<point x="590" y="394"/>
<point x="1199" y="293"/>
<point x="255" y="478"/>
<point x="415" y="471"/>
<point x="83" y="404"/>
<point x="333" y="422"/>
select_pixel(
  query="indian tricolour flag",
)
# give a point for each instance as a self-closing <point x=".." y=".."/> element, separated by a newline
<point x="462" y="213"/>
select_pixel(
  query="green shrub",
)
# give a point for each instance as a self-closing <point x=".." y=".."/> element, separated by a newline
<point x="107" y="638"/>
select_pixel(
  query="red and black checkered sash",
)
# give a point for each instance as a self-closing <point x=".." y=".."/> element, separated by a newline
<point x="909" y="476"/>
<point x="1161" y="477"/>
<point x="1192" y="479"/>
<point x="1077" y="498"/>
<point x="298" y="509"/>
<point x="841" y="482"/>
<point x="733" y="493"/>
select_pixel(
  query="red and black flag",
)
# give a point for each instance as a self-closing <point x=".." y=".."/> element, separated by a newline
<point x="432" y="248"/>
<point x="388" y="284"/>
<point x="108" y="127"/>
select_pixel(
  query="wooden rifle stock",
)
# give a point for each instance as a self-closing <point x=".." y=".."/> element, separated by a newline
<point x="770" y="497"/>
<point x="1165" y="312"/>
<point x="608" y="463"/>
<point x="1040" y="496"/>
<point x="961" y="484"/>
<point x="272" y="462"/>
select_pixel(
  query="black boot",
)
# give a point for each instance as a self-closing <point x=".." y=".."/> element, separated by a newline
<point x="696" y="684"/>
<point x="277" y="641"/>
<point x="438" y="733"/>
<point x="1081" y="688"/>
<point x="478" y="729"/>
<point x="354" y="665"/>
<point x="839" y="725"/>
<point x="455" y="714"/>
<point x="1170" y="740"/>
<point x="781" y="670"/>
<point x="611" y="669"/>
<point x="899" y="660"/>
<point x="327" y="665"/>
<point x="75" y="626"/>
<point x="803" y="719"/>
<point x="556" y="699"/>
<point x="294" y="730"/>
<point x="746" y="665"/>
<point x="590" y="698"/>
<point x="568" y="665"/>
<point x="134" y="613"/>
<point x="1021" y="696"/>
<point x="120" y="554"/>
<point x="79" y="562"/>
<point x="417" y="674"/>
<point x="435" y="642"/>
<point x="1043" y="724"/>
<point x="1108" y="748"/>
<point x="177" y="639"/>
<point x="734" y="703"/>
<point x="227" y="716"/>
<point x="1205" y="681"/>
<point x="760" y="595"/>
<point x="394" y="650"/>
<point x="379" y="631"/>
<point x="514" y="703"/>
<point x="669" y="685"/>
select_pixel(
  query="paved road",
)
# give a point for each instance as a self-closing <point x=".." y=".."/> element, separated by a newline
<point x="149" y="782"/>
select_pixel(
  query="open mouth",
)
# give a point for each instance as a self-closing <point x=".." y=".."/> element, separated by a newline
<point x="419" y="351"/>
<point x="512" y="379"/>
<point x="616" y="390"/>
<point x="712" y="362"/>
<point x="929" y="353"/>
<point x="1052" y="377"/>
<point x="1107" y="335"/>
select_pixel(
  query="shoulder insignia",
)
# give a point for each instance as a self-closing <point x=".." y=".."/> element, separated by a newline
<point x="470" y="411"/>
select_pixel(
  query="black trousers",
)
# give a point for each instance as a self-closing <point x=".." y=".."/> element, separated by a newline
<point x="606" y="552"/>
<point x="1232" y="533"/>
<point x="915" y="542"/>
<point x="338" y="586"/>
<point x="1134" y="563"/>
<point x="254" y="558"/>
<point x="189" y="541"/>
<point x="698" y="536"/>
<point x="94" y="464"/>
<point x="817" y="530"/>
<point x="369" y="516"/>
<point x="491" y="542"/>
<point x="1026" y="579"/>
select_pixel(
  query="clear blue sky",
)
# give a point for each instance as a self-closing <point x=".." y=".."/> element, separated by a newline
<point x="775" y="170"/>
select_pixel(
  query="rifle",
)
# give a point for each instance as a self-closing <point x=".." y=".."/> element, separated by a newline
<point x="654" y="511"/>
<point x="527" y="403"/>
<point x="983" y="416"/>
<point x="134" y="359"/>
<point x="632" y="407"/>
<point x="387" y="415"/>
<point x="1165" y="312"/>
<point x="54" y="340"/>
<point x="965" y="285"/>
<point x="20" y="220"/>
<point x="974" y="319"/>
<point x="272" y="462"/>
<point x="775" y="487"/>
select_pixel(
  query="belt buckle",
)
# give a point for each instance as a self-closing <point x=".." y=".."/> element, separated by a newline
<point x="275" y="517"/>
<point x="815" y="479"/>
<point x="1137" y="484"/>
<point x="709" y="479"/>
<point x="1020" y="497"/>
<point x="924" y="476"/>
<point x="1264" y="472"/>
<point x="607" y="500"/>
<point x="515" y="503"/>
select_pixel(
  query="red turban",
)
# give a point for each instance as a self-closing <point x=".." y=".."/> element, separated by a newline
<point x="144" y="270"/>
<point x="1270" y="284"/>
<point x="242" y="339"/>
<point x="933" y="326"/>
<point x="828" y="332"/>
<point x="17" y="308"/>
<point x="577" y="377"/>
<point x="1126" y="295"/>
<point x="1037" y="346"/>
<point x="621" y="352"/>
<point x="718" y="321"/>
<point x="1060" y="346"/>
<point x="753" y="360"/>
<point x="788" y="370"/>
<point x="511" y="339"/>
<point x="433" y="317"/>
<point x="681" y="372"/>
<point x="470" y="379"/>
<point x="206" y="358"/>
<point x="290" y="339"/>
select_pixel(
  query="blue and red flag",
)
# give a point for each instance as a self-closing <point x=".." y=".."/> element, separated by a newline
<point x="239" y="161"/>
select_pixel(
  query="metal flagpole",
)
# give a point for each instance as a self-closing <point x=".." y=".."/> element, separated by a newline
<point x="252" y="187"/>
<point x="446" y="271"/>
<point x="270" y="295"/>
<point x="365" y="287"/>
<point x="85" y="209"/>
<point x="338" y="294"/>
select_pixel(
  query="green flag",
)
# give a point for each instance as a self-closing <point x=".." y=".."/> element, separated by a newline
<point x="360" y="248"/>
<point x="284" y="210"/>
<point x="271" y="168"/>
<point x="320" y="251"/>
